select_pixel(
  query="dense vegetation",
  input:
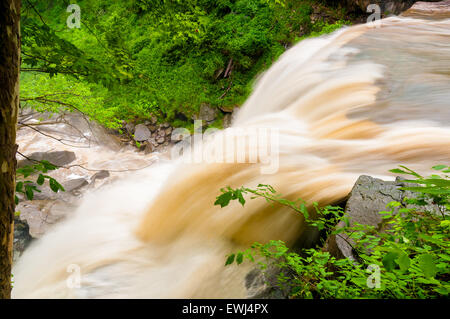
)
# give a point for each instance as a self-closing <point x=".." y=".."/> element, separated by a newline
<point x="407" y="256"/>
<point x="131" y="59"/>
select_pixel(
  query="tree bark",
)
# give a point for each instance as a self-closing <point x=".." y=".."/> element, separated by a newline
<point x="9" y="107"/>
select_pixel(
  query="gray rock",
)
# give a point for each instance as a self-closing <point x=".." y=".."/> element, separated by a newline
<point x="226" y="120"/>
<point x="100" y="175"/>
<point x="207" y="113"/>
<point x="168" y="131"/>
<point x="72" y="189"/>
<point x="74" y="184"/>
<point x="161" y="132"/>
<point x="160" y="140"/>
<point x="368" y="197"/>
<point x="59" y="158"/>
<point x="153" y="142"/>
<point x="387" y="6"/>
<point x="263" y="284"/>
<point x="423" y="9"/>
<point x="149" y="148"/>
<point x="41" y="215"/>
<point x="22" y="238"/>
<point x="129" y="127"/>
<point x="141" y="133"/>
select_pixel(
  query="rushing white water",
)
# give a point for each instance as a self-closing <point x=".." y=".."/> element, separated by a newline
<point x="360" y="101"/>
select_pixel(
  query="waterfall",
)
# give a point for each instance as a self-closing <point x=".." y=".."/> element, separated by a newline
<point x="360" y="101"/>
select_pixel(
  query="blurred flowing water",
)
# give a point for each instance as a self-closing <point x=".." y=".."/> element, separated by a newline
<point x="360" y="101"/>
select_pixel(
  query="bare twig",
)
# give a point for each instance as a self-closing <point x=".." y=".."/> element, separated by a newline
<point x="85" y="168"/>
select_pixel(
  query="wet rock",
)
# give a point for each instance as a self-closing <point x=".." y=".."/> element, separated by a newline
<point x="22" y="238"/>
<point x="423" y="9"/>
<point x="100" y="175"/>
<point x="74" y="184"/>
<point x="141" y="133"/>
<point x="41" y="215"/>
<point x="153" y="141"/>
<point x="387" y="6"/>
<point x="72" y="190"/>
<point x="149" y="148"/>
<point x="58" y="158"/>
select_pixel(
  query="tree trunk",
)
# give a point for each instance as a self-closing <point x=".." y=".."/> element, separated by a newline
<point x="9" y="107"/>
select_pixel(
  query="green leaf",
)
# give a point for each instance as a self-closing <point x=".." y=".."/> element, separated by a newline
<point x="403" y="261"/>
<point x="19" y="187"/>
<point x="397" y="171"/>
<point x="29" y="192"/>
<point x="224" y="199"/>
<point x="40" y="179"/>
<point x="427" y="264"/>
<point x="241" y="198"/>
<point x="389" y="261"/>
<point x="230" y="259"/>
<point x="55" y="186"/>
<point x="439" y="167"/>
<point x="239" y="258"/>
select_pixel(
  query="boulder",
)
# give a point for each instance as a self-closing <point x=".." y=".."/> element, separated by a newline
<point x="41" y="215"/>
<point x="227" y="109"/>
<point x="141" y="133"/>
<point x="423" y="9"/>
<point x="207" y="113"/>
<point x="100" y="175"/>
<point x="368" y="197"/>
<point x="263" y="284"/>
<point x="22" y="237"/>
<point x="387" y="6"/>
<point x="229" y="118"/>
<point x="149" y="148"/>
<point x="58" y="158"/>
<point x="160" y="139"/>
<point x="129" y="127"/>
<point x="72" y="190"/>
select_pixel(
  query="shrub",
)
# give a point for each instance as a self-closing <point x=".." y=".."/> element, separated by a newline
<point x="407" y="256"/>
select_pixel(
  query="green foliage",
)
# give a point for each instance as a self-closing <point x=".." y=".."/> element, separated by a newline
<point x="134" y="58"/>
<point x="409" y="249"/>
<point x="27" y="187"/>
